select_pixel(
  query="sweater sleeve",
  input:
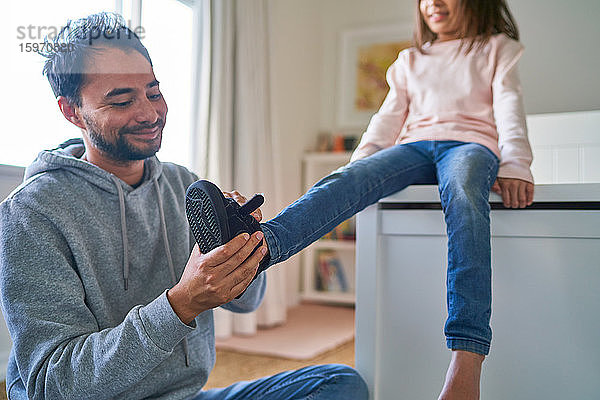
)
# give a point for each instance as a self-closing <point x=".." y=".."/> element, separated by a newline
<point x="509" y="114"/>
<point x="59" y="349"/>
<point x="385" y="126"/>
<point x="252" y="297"/>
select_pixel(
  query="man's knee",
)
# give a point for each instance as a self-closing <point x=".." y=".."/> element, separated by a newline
<point x="348" y="380"/>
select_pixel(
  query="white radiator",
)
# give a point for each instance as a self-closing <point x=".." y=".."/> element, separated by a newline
<point x="566" y="147"/>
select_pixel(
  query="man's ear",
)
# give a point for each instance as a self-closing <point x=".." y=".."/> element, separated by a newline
<point x="70" y="111"/>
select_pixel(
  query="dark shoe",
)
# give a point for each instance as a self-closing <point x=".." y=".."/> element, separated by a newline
<point x="215" y="219"/>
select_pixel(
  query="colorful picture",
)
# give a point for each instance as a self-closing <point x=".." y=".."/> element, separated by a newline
<point x="372" y="63"/>
<point x="365" y="56"/>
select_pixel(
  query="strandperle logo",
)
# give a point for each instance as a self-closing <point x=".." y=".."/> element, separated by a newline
<point x="38" y="33"/>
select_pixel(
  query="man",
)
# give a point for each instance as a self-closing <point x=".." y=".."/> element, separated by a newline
<point x="104" y="293"/>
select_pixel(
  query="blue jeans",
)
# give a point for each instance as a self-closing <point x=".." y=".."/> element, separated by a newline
<point x="322" y="382"/>
<point x="464" y="173"/>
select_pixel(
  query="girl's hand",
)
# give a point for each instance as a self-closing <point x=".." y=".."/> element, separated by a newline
<point x="516" y="193"/>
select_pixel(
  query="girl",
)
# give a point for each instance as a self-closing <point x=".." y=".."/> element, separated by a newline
<point x="453" y="116"/>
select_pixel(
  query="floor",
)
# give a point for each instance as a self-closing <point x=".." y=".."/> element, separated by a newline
<point x="232" y="366"/>
<point x="310" y="329"/>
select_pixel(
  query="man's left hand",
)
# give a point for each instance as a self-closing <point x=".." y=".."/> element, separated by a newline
<point x="516" y="193"/>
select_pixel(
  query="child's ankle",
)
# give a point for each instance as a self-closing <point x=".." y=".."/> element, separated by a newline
<point x="467" y="357"/>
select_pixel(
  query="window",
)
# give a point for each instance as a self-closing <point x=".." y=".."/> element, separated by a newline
<point x="34" y="121"/>
<point x="168" y="37"/>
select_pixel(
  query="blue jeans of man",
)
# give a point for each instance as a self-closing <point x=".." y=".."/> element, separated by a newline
<point x="464" y="173"/>
<point x="321" y="382"/>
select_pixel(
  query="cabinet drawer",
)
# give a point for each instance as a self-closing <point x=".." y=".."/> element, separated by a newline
<point x="515" y="223"/>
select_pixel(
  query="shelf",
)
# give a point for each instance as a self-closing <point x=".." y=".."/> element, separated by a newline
<point x="338" y="263"/>
<point x="335" y="244"/>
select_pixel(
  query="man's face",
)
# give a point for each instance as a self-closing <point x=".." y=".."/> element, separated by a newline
<point x="121" y="106"/>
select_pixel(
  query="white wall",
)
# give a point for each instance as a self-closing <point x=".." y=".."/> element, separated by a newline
<point x="559" y="69"/>
<point x="295" y="77"/>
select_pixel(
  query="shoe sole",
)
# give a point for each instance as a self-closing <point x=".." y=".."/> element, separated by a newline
<point x="206" y="215"/>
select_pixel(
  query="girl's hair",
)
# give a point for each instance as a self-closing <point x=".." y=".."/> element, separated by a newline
<point x="480" y="20"/>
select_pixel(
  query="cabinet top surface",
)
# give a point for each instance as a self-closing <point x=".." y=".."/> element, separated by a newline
<point x="570" y="192"/>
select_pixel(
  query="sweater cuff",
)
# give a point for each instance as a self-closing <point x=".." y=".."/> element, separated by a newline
<point x="162" y="325"/>
<point x="515" y="171"/>
<point x="250" y="300"/>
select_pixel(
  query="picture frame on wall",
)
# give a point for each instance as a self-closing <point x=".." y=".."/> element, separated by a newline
<point x="365" y="56"/>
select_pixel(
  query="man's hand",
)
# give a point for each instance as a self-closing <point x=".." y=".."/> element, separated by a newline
<point x="212" y="279"/>
<point x="257" y="214"/>
<point x="516" y="193"/>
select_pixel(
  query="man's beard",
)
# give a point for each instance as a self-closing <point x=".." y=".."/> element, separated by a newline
<point x="122" y="150"/>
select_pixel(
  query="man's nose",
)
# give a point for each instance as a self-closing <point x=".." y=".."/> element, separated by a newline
<point x="146" y="112"/>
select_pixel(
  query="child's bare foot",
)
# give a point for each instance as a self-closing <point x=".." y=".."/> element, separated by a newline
<point x="462" y="378"/>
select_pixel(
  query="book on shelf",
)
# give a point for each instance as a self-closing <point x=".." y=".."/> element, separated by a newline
<point x="344" y="231"/>
<point x="331" y="276"/>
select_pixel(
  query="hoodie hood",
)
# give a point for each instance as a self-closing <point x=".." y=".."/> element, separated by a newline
<point x="67" y="156"/>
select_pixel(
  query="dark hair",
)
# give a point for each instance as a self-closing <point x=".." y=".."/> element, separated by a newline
<point x="67" y="53"/>
<point x="480" y="20"/>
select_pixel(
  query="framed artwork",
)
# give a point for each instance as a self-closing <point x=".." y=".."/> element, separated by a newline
<point x="365" y="56"/>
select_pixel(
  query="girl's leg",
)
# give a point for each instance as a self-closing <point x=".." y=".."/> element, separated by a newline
<point x="344" y="193"/>
<point x="466" y="172"/>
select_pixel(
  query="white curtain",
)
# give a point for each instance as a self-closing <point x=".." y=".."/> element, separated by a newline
<point x="233" y="143"/>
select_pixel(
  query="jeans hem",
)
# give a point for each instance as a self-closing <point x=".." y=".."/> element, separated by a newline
<point x="468" y="345"/>
<point x="272" y="245"/>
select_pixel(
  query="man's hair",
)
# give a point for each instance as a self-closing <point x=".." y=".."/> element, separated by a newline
<point x="67" y="53"/>
<point x="480" y="19"/>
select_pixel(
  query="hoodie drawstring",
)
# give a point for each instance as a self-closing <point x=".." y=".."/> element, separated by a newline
<point x="163" y="224"/>
<point x="123" y="232"/>
<point x="165" y="242"/>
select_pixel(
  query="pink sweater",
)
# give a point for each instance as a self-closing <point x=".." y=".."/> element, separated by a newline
<point x="444" y="96"/>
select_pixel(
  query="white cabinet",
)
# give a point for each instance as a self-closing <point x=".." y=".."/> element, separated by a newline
<point x="545" y="320"/>
<point x="328" y="264"/>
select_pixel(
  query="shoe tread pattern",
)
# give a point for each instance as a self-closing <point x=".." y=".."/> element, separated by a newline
<point x="203" y="220"/>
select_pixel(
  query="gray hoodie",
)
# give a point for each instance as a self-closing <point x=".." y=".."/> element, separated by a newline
<point x="85" y="262"/>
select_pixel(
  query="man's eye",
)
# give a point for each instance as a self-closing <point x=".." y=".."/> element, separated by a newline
<point x="155" y="96"/>
<point x="123" y="104"/>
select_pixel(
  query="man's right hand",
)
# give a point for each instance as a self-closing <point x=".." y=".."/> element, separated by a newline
<point x="215" y="278"/>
